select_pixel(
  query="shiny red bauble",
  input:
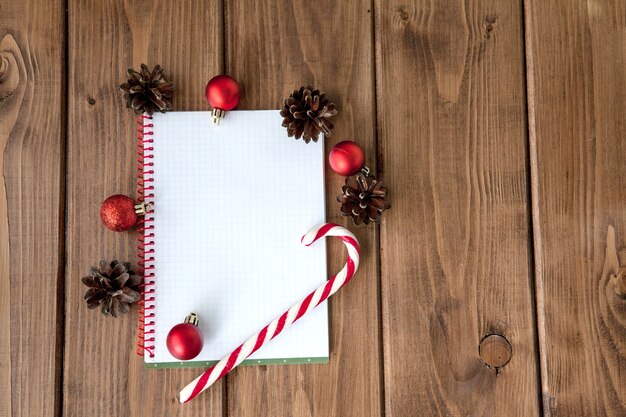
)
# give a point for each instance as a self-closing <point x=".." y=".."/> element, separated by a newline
<point x="346" y="158"/>
<point x="223" y="93"/>
<point x="185" y="341"/>
<point x="118" y="213"/>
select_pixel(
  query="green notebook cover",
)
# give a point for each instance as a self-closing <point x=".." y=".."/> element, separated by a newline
<point x="247" y="362"/>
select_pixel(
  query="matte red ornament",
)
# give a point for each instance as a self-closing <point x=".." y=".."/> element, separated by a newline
<point x="185" y="341"/>
<point x="222" y="93"/>
<point x="346" y="158"/>
<point x="118" y="213"/>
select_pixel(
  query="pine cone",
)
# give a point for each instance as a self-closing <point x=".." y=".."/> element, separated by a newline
<point x="306" y="113"/>
<point x="147" y="91"/>
<point x="113" y="286"/>
<point x="364" y="198"/>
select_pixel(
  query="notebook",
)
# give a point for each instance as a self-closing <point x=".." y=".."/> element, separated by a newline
<point x="230" y="203"/>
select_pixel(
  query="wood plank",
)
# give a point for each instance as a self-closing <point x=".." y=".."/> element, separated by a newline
<point x="455" y="262"/>
<point x="274" y="47"/>
<point x="103" y="376"/>
<point x="577" y="107"/>
<point x="32" y="45"/>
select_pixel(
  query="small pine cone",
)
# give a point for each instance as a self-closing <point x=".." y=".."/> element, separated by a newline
<point x="148" y="91"/>
<point x="112" y="286"/>
<point x="364" y="198"/>
<point x="306" y="112"/>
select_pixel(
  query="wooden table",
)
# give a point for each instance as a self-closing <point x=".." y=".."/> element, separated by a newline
<point x="499" y="127"/>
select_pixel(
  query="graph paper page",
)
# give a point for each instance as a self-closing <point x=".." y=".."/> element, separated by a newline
<point x="231" y="204"/>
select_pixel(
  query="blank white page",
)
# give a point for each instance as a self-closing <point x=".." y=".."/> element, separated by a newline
<point x="231" y="204"/>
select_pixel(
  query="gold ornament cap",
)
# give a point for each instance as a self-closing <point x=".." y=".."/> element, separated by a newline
<point x="192" y="318"/>
<point x="142" y="208"/>
<point x="218" y="114"/>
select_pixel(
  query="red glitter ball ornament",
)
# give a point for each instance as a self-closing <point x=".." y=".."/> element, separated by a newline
<point x="185" y="341"/>
<point x="118" y="213"/>
<point x="222" y="93"/>
<point x="346" y="158"/>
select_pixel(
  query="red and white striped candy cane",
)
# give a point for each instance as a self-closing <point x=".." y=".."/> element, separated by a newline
<point x="270" y="331"/>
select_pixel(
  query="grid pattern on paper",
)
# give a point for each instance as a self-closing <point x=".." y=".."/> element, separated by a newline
<point x="231" y="204"/>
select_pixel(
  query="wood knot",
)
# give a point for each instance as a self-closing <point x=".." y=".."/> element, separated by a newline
<point x="402" y="17"/>
<point x="612" y="273"/>
<point x="490" y="21"/>
<point x="4" y="67"/>
<point x="619" y="281"/>
<point x="495" y="351"/>
<point x="9" y="75"/>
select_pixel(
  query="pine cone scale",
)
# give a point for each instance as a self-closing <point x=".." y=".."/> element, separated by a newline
<point x="137" y="102"/>
<point x="94" y="297"/>
<point x="307" y="133"/>
<point x="302" y="115"/>
<point x="90" y="293"/>
<point x="106" y="284"/>
<point x="90" y="282"/>
<point x="377" y="203"/>
<point x="103" y="268"/>
<point x="121" y="280"/>
<point x="133" y="281"/>
<point x="128" y="298"/>
<point x="155" y="93"/>
<point x="135" y="89"/>
<point x="134" y="75"/>
<point x="156" y="74"/>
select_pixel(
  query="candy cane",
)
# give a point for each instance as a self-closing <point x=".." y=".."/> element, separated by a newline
<point x="298" y="310"/>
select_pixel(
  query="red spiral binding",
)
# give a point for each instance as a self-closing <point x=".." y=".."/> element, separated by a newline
<point x="145" y="191"/>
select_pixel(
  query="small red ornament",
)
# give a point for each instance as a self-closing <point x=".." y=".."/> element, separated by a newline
<point x="185" y="341"/>
<point x="222" y="93"/>
<point x="118" y="213"/>
<point x="346" y="158"/>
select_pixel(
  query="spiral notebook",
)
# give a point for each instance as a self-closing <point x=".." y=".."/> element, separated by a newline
<point x="229" y="204"/>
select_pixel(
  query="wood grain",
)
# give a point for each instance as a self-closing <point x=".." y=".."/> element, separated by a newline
<point x="274" y="47"/>
<point x="31" y="149"/>
<point x="103" y="376"/>
<point x="12" y="86"/>
<point x="436" y="94"/>
<point x="577" y="96"/>
<point x="455" y="258"/>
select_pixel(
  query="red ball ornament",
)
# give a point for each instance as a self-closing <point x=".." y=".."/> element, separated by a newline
<point x="185" y="341"/>
<point x="346" y="158"/>
<point x="118" y="213"/>
<point x="222" y="93"/>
